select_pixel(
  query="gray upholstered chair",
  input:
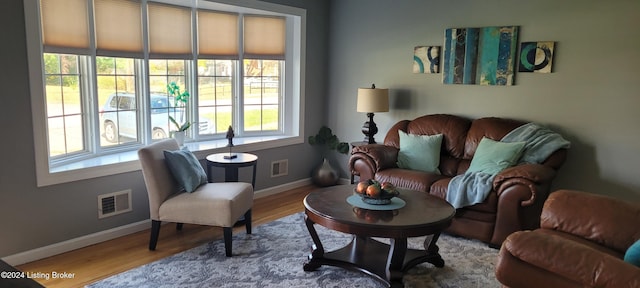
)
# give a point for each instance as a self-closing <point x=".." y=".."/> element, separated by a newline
<point x="213" y="204"/>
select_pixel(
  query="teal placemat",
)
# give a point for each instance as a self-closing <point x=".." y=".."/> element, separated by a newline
<point x="396" y="203"/>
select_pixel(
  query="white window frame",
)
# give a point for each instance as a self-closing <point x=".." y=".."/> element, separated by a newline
<point x="127" y="161"/>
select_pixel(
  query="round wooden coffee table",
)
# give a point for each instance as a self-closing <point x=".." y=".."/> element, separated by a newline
<point x="423" y="214"/>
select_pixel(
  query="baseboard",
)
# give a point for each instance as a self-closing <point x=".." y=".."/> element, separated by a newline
<point x="106" y="235"/>
<point x="76" y="243"/>
<point x="281" y="188"/>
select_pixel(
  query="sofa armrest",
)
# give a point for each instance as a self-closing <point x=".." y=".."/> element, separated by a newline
<point x="529" y="175"/>
<point x="366" y="160"/>
<point x="571" y="260"/>
<point x="604" y="220"/>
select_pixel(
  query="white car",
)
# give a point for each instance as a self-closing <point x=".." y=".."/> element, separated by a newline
<point x="119" y="117"/>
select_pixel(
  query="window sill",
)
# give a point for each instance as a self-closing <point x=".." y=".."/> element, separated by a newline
<point x="128" y="161"/>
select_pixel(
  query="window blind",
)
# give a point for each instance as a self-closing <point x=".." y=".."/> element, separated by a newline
<point x="118" y="25"/>
<point x="65" y="26"/>
<point x="217" y="34"/>
<point x="264" y="37"/>
<point x="169" y="31"/>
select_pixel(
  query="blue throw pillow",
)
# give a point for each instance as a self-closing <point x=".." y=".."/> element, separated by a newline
<point x="633" y="254"/>
<point x="492" y="156"/>
<point x="419" y="152"/>
<point x="186" y="169"/>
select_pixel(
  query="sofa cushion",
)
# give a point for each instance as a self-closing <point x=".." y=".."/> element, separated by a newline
<point x="419" y="152"/>
<point x="633" y="254"/>
<point x="186" y="169"/>
<point x="577" y="239"/>
<point x="490" y="127"/>
<point x="492" y="156"/>
<point x="410" y="179"/>
<point x="439" y="188"/>
<point x="573" y="260"/>
<point x="482" y="230"/>
<point x="453" y="128"/>
<point x="561" y="213"/>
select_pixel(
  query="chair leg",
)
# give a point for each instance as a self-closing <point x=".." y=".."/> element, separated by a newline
<point x="247" y="219"/>
<point x="227" y="231"/>
<point x="155" y="232"/>
<point x="179" y="226"/>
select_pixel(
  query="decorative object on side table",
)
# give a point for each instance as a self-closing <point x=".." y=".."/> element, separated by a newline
<point x="372" y="100"/>
<point x="230" y="135"/>
<point x="325" y="174"/>
<point x="181" y="99"/>
<point x="376" y="193"/>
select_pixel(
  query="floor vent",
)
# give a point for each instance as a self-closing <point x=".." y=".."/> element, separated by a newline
<point x="279" y="168"/>
<point x="114" y="203"/>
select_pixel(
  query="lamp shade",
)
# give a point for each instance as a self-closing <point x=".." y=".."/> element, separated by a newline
<point x="373" y="100"/>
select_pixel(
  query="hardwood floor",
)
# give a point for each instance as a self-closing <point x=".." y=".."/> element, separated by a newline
<point x="108" y="258"/>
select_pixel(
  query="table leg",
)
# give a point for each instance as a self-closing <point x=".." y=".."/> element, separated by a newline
<point x="253" y="179"/>
<point x="433" y="249"/>
<point x="385" y="262"/>
<point x="429" y="254"/>
<point x="231" y="174"/>
<point x="318" y="249"/>
<point x="394" y="267"/>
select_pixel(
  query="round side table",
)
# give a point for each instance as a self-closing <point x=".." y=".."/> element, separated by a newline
<point x="232" y="165"/>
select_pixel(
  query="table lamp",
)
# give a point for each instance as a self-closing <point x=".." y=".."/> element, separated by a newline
<point x="372" y="100"/>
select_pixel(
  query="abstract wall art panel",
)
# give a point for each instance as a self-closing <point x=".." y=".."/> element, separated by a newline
<point x="536" y="57"/>
<point x="481" y="56"/>
<point x="426" y="59"/>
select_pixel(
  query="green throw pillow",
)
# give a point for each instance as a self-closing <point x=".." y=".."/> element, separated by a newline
<point x="633" y="254"/>
<point x="419" y="152"/>
<point x="186" y="169"/>
<point x="491" y="157"/>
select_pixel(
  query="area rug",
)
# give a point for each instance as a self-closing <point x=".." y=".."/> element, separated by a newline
<point x="274" y="254"/>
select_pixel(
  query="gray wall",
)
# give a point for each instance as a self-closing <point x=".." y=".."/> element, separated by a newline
<point x="591" y="97"/>
<point x="36" y="217"/>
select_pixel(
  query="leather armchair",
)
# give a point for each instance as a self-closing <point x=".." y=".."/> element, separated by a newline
<point x="581" y="243"/>
<point x="518" y="192"/>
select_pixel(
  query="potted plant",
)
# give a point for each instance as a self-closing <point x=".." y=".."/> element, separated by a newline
<point x="181" y="99"/>
<point x="325" y="174"/>
<point x="325" y="137"/>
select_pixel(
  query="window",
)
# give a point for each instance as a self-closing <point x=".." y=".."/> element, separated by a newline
<point x="162" y="73"/>
<point x="116" y="86"/>
<point x="215" y="93"/>
<point x="64" y="102"/>
<point x="262" y="95"/>
<point x="104" y="86"/>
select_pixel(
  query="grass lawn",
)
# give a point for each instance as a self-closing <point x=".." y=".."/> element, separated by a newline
<point x="261" y="112"/>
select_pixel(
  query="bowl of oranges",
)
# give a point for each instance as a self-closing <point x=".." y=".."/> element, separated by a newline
<point x="376" y="193"/>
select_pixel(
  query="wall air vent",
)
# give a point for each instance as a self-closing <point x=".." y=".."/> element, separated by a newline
<point x="114" y="203"/>
<point x="280" y="168"/>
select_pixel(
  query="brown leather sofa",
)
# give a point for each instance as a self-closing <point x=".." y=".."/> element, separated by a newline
<point x="518" y="193"/>
<point x="581" y="243"/>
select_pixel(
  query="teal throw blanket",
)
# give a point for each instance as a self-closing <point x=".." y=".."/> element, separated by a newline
<point x="473" y="187"/>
